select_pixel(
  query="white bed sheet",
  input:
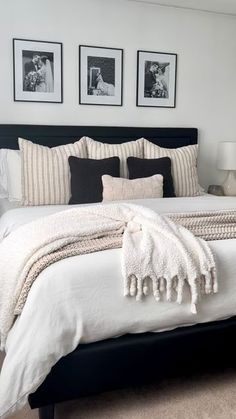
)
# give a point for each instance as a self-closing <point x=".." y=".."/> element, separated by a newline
<point x="6" y="205"/>
<point x="80" y="299"/>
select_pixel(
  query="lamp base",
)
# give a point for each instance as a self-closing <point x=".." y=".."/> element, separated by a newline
<point x="229" y="185"/>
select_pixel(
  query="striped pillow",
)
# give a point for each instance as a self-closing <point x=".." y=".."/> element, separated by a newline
<point x="97" y="150"/>
<point x="183" y="163"/>
<point x="45" y="172"/>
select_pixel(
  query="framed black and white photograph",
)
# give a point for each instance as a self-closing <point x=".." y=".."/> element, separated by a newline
<point x="156" y="79"/>
<point x="100" y="76"/>
<point x="37" y="71"/>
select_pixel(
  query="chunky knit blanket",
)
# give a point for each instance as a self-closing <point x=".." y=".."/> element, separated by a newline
<point x="209" y="225"/>
<point x="157" y="254"/>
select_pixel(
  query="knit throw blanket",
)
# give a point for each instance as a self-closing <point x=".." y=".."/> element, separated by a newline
<point x="209" y="225"/>
<point x="157" y="254"/>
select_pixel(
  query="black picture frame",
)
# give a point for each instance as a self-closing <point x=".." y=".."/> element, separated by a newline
<point x="52" y="55"/>
<point x="162" y="92"/>
<point x="105" y="57"/>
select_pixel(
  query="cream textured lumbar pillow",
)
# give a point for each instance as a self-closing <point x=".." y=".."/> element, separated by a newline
<point x="46" y="173"/>
<point x="183" y="166"/>
<point x="118" y="189"/>
<point x="97" y="150"/>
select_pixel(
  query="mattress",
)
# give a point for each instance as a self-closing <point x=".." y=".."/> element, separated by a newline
<point x="80" y="300"/>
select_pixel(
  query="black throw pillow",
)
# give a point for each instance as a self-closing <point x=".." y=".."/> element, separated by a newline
<point x="86" y="178"/>
<point x="139" y="168"/>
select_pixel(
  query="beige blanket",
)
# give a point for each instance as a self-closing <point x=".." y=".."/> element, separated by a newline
<point x="211" y="225"/>
<point x="74" y="249"/>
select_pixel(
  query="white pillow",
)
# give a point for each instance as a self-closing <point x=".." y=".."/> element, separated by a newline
<point x="3" y="174"/>
<point x="118" y="189"/>
<point x="10" y="174"/>
<point x="183" y="166"/>
<point x="14" y="175"/>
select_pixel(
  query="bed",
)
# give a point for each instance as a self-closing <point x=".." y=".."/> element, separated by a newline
<point x="114" y="363"/>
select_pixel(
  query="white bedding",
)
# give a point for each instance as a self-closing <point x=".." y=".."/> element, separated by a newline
<point x="6" y="205"/>
<point x="16" y="217"/>
<point x="80" y="300"/>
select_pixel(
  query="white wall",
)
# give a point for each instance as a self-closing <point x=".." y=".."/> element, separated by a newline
<point x="206" y="76"/>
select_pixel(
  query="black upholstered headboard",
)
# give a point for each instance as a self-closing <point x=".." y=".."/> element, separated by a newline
<point x="53" y="135"/>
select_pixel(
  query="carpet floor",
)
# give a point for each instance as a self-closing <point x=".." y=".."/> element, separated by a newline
<point x="208" y="396"/>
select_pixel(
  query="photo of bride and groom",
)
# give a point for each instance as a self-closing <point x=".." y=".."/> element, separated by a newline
<point x="37" y="72"/>
<point x="156" y="79"/>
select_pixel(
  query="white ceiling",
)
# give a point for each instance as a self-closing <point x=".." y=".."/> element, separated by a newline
<point x="216" y="6"/>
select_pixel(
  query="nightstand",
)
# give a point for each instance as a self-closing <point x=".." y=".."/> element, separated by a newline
<point x="216" y="190"/>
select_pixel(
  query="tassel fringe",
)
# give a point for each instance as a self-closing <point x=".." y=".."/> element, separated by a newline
<point x="166" y="288"/>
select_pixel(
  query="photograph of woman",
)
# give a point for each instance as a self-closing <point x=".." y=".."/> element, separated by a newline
<point x="97" y="86"/>
<point x="45" y="81"/>
<point x="101" y="76"/>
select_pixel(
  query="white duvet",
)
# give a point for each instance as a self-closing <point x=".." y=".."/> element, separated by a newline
<point x="80" y="299"/>
<point x="6" y="205"/>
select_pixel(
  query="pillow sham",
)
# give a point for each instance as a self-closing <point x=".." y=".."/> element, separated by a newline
<point x="10" y="174"/>
<point x="117" y="189"/>
<point x="97" y="150"/>
<point x="183" y="163"/>
<point x="3" y="173"/>
<point x="141" y="168"/>
<point x="86" y="178"/>
<point x="14" y="167"/>
<point x="45" y="172"/>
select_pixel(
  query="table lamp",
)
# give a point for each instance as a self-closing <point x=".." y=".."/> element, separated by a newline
<point x="226" y="160"/>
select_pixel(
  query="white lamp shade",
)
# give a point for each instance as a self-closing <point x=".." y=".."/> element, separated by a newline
<point x="226" y="159"/>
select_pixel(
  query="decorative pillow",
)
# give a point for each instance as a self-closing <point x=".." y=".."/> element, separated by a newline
<point x="183" y="163"/>
<point x="86" y="178"/>
<point x="45" y="172"/>
<point x="117" y="189"/>
<point x="140" y="168"/>
<point x="97" y="150"/>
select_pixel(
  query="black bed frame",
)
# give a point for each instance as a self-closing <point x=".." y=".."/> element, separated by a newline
<point x="131" y="359"/>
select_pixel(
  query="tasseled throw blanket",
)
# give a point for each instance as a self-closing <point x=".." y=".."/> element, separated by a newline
<point x="157" y="254"/>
